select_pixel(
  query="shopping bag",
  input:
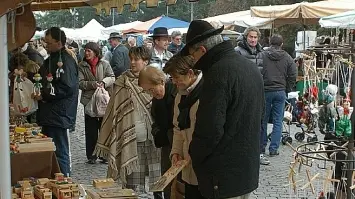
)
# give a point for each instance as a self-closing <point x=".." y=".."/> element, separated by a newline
<point x="102" y="97"/>
<point x="98" y="103"/>
<point x="90" y="107"/>
<point x="22" y="100"/>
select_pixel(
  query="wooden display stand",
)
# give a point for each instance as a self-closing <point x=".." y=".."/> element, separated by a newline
<point x="28" y="138"/>
<point x="36" y="147"/>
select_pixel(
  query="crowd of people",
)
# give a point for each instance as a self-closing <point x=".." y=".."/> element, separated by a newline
<point x="205" y="101"/>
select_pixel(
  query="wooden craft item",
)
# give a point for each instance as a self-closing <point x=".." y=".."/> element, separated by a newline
<point x="328" y="178"/>
<point x="103" y="183"/>
<point x="291" y="175"/>
<point x="352" y="181"/>
<point x="342" y="146"/>
<point x="168" y="176"/>
<point x="21" y="26"/>
<point x="310" y="180"/>
<point x="111" y="193"/>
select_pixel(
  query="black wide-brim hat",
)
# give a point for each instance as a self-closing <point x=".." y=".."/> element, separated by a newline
<point x="198" y="31"/>
<point x="160" y="32"/>
<point x="115" y="35"/>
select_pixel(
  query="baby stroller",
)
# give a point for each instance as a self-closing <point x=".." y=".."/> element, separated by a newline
<point x="306" y="118"/>
<point x="287" y="122"/>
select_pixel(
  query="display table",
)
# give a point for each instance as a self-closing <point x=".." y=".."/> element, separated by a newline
<point x="35" y="164"/>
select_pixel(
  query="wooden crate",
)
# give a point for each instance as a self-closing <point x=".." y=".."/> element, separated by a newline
<point x="36" y="147"/>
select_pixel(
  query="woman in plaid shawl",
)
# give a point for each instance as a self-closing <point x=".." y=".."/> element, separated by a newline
<point x="125" y="138"/>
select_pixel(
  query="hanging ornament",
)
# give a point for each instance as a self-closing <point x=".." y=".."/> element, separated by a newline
<point x="60" y="65"/>
<point x="37" y="86"/>
<point x="18" y="79"/>
<point x="50" y="79"/>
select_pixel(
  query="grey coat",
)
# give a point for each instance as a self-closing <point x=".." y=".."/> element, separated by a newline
<point x="120" y="60"/>
<point x="87" y="81"/>
<point x="157" y="62"/>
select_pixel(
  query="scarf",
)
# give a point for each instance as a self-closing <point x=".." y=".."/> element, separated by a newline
<point x="117" y="140"/>
<point x="93" y="63"/>
<point x="186" y="103"/>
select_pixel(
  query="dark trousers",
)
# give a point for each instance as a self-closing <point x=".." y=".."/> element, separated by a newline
<point x="92" y="128"/>
<point x="165" y="164"/>
<point x="60" y="139"/>
<point x="192" y="192"/>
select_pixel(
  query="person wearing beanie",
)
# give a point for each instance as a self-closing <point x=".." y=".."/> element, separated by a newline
<point x="94" y="72"/>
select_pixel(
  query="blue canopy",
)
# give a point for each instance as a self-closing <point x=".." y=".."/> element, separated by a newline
<point x="168" y="23"/>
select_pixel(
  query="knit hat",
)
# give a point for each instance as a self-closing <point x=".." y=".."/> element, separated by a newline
<point x="94" y="47"/>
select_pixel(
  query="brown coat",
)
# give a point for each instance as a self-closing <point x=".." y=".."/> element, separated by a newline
<point x="182" y="139"/>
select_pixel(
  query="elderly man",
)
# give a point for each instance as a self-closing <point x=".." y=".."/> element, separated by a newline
<point x="176" y="43"/>
<point x="119" y="61"/>
<point x="160" y="54"/>
<point x="225" y="144"/>
<point x="58" y="101"/>
<point x="249" y="47"/>
<point x="131" y="42"/>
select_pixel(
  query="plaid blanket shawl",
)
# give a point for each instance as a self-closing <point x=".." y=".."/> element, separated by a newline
<point x="117" y="139"/>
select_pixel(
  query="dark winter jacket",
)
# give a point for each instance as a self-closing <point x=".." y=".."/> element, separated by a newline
<point x="225" y="150"/>
<point x="59" y="110"/>
<point x="120" y="60"/>
<point x="173" y="48"/>
<point x="162" y="113"/>
<point x="279" y="70"/>
<point x="253" y="55"/>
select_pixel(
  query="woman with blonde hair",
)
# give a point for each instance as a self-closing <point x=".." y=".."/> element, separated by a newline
<point x="189" y="84"/>
<point x="156" y="83"/>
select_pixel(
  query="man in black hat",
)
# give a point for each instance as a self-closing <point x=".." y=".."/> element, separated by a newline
<point x="225" y="144"/>
<point x="160" y="54"/>
<point x="120" y="60"/>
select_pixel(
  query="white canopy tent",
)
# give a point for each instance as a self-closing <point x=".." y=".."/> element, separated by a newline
<point x="119" y="28"/>
<point x="241" y="18"/>
<point x="304" y="12"/>
<point x="341" y="20"/>
<point x="91" y="31"/>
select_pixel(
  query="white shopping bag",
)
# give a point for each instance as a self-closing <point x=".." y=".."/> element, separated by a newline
<point x="22" y="98"/>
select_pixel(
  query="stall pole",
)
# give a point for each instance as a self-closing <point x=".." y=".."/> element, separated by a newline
<point x="351" y="140"/>
<point x="5" y="169"/>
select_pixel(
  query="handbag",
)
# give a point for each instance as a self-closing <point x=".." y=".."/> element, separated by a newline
<point x="288" y="113"/>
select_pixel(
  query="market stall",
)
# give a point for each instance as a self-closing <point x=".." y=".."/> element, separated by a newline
<point x="13" y="35"/>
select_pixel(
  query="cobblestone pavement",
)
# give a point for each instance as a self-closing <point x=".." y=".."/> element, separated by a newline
<point x="273" y="178"/>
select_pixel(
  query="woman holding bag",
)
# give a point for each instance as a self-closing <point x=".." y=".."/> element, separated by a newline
<point x="94" y="72"/>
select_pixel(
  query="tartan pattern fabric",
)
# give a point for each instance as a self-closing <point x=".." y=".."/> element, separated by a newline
<point x="148" y="157"/>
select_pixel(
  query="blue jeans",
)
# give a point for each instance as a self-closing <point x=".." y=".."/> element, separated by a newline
<point x="274" y="108"/>
<point x="60" y="139"/>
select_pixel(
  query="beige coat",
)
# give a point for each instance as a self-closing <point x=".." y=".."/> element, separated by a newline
<point x="182" y="139"/>
<point x="87" y="81"/>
